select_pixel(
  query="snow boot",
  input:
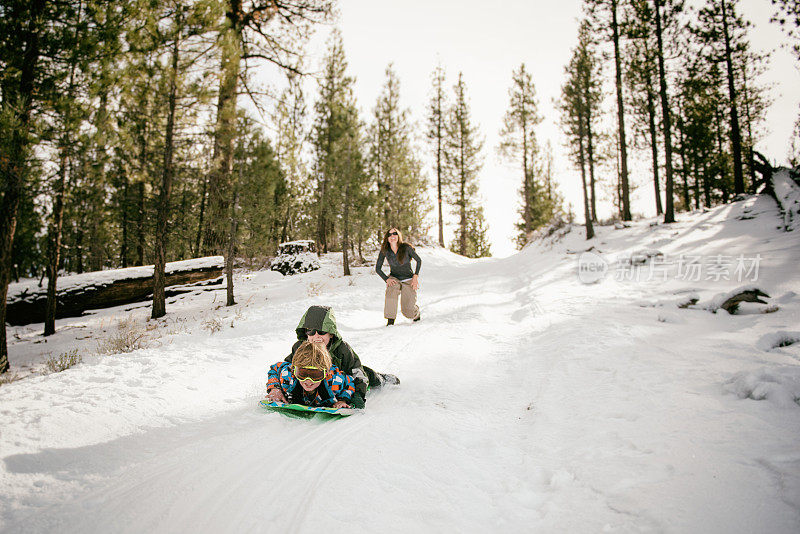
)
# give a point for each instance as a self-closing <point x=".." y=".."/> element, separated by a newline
<point x="418" y="318"/>
<point x="390" y="379"/>
<point x="389" y="322"/>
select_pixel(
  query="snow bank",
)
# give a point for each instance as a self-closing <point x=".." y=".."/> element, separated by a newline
<point x="778" y="385"/>
<point x="778" y="339"/>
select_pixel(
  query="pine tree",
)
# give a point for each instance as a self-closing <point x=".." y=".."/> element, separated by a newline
<point x="518" y="138"/>
<point x="604" y="16"/>
<point x="721" y="42"/>
<point x="401" y="187"/>
<point x="642" y="71"/>
<point x="463" y="164"/>
<point x="269" y="32"/>
<point x="338" y="166"/>
<point x="591" y="82"/>
<point x="292" y="135"/>
<point x="329" y="124"/>
<point x="576" y="101"/>
<point x="263" y="184"/>
<point x="29" y="31"/>
<point x="71" y="110"/>
<point x="174" y="44"/>
<point x="351" y="180"/>
<point x="788" y="16"/>
<point x="701" y="99"/>
<point x="728" y="12"/>
<point x="720" y="33"/>
<point x="436" y="133"/>
<point x="670" y="6"/>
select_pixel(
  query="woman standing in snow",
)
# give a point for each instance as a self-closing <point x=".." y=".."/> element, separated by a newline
<point x="401" y="281"/>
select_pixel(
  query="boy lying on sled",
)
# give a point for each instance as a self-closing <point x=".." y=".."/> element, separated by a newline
<point x="310" y="379"/>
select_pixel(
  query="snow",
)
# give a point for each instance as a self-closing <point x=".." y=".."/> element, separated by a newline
<point x="528" y="400"/>
<point x="302" y="242"/>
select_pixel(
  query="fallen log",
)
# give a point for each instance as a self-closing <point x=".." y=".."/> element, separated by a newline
<point x="104" y="289"/>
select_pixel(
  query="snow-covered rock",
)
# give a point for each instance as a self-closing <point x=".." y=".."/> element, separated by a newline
<point x="788" y="194"/>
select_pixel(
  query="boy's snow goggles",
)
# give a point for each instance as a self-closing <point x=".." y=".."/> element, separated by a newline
<point x="310" y="374"/>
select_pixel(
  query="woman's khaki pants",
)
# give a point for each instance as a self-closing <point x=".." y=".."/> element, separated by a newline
<point x="408" y="300"/>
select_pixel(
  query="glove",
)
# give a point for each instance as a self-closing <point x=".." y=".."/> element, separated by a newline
<point x="358" y="400"/>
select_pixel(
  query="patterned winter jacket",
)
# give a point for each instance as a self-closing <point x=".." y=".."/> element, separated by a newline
<point x="334" y="387"/>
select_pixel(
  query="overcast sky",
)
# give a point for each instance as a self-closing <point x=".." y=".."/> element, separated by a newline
<point x="486" y="41"/>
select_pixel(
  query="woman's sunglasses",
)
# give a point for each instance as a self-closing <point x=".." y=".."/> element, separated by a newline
<point x="392" y="233"/>
<point x="313" y="375"/>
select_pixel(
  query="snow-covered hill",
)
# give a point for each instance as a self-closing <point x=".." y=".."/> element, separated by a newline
<point x="529" y="399"/>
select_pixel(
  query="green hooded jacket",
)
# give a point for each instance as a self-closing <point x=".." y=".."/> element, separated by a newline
<point x="342" y="354"/>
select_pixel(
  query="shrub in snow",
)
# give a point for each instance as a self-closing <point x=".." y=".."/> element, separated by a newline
<point x="295" y="257"/>
<point x="63" y="362"/>
<point x="314" y="289"/>
<point x="128" y="337"/>
<point x="7" y="378"/>
<point x="642" y="257"/>
<point x="213" y="325"/>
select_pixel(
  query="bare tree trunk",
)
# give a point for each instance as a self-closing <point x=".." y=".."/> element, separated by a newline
<point x="736" y="133"/>
<point x="95" y="243"/>
<point x="231" y="249"/>
<point x="199" y="240"/>
<point x="582" y="160"/>
<point x="669" y="212"/>
<point x="439" y="185"/>
<point x="722" y="170"/>
<point x="140" y="233"/>
<point x="462" y="245"/>
<point x="590" y="153"/>
<point x="285" y="228"/>
<point x="526" y="181"/>
<point x="159" y="278"/>
<point x="54" y="246"/>
<point x="322" y="240"/>
<point x="79" y="249"/>
<point x="651" y="115"/>
<point x="687" y="202"/>
<point x="623" y="146"/>
<point x="749" y="120"/>
<point x="696" y="170"/>
<point x="345" y="235"/>
<point x="706" y="184"/>
<point x="123" y="251"/>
